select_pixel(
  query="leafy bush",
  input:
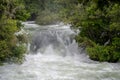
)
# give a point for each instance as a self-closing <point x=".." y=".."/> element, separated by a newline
<point x="46" y="17"/>
<point x="22" y="38"/>
<point x="99" y="25"/>
<point x="11" y="13"/>
<point x="4" y="51"/>
<point x="18" y="53"/>
<point x="103" y="53"/>
<point x="98" y="53"/>
<point x="14" y="54"/>
<point x="84" y="42"/>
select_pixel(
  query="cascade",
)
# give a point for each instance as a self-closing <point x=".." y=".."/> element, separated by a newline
<point x="55" y="55"/>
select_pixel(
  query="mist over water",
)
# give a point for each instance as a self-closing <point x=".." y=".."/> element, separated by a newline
<point x="55" y="55"/>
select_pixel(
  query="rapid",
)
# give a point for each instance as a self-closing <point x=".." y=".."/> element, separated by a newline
<point x="55" y="55"/>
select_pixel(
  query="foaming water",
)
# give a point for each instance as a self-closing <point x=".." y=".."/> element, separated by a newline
<point x="58" y="58"/>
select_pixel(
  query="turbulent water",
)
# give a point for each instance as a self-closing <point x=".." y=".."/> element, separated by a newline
<point x="54" y="55"/>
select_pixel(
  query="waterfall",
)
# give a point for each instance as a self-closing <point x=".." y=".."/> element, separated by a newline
<point x="61" y="39"/>
<point x="55" y="55"/>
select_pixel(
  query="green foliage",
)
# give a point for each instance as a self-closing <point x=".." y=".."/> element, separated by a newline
<point x="108" y="31"/>
<point x="13" y="9"/>
<point x="11" y="13"/>
<point x="67" y="9"/>
<point x="98" y="53"/>
<point x="98" y="22"/>
<point x="22" y="38"/>
<point x="18" y="53"/>
<point x="103" y="53"/>
<point x="22" y="15"/>
<point x="33" y="7"/>
<point x="4" y="51"/>
<point x="116" y="44"/>
<point x="19" y="25"/>
<point x="49" y="13"/>
<point x="113" y="14"/>
<point x="6" y="30"/>
<point x="84" y="42"/>
<point x="46" y="17"/>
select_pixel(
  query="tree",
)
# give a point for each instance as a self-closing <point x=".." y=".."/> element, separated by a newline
<point x="98" y="22"/>
<point x="12" y="12"/>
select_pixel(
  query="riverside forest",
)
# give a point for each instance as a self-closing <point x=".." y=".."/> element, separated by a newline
<point x="59" y="39"/>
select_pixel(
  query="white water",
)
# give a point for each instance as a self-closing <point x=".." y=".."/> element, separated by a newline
<point x="58" y="59"/>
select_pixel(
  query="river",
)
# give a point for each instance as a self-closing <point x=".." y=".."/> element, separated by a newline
<point x="55" y="55"/>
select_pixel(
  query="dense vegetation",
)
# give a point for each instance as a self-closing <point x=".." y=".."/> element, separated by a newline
<point x="48" y="14"/>
<point x="11" y="46"/>
<point x="97" y="20"/>
<point x="100" y="24"/>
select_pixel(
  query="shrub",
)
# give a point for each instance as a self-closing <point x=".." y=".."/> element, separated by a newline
<point x="18" y="53"/>
<point x="84" y="42"/>
<point x="103" y="53"/>
<point x="46" y="17"/>
<point x="22" y="38"/>
<point x="4" y="51"/>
